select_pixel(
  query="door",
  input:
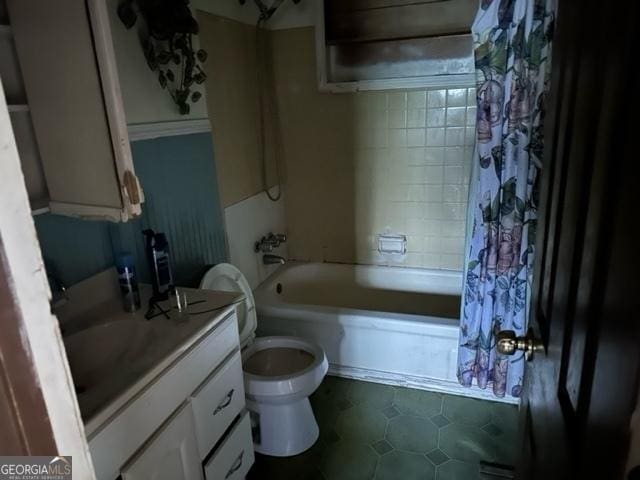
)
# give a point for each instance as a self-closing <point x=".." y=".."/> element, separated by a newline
<point x="171" y="454"/>
<point x="580" y="389"/>
<point x="39" y="413"/>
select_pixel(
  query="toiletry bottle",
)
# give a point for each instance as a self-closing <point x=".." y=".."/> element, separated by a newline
<point x="159" y="263"/>
<point x="128" y="282"/>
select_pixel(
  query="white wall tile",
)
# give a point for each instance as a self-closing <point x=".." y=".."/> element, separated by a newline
<point x="436" y="117"/>
<point x="248" y="221"/>
<point x="415" y="137"/>
<point x="416" y="156"/>
<point x="436" y="98"/>
<point x="452" y="193"/>
<point x="417" y="99"/>
<point x="398" y="138"/>
<point x="413" y="158"/>
<point x="455" y="136"/>
<point x="378" y="119"/>
<point x="416" y="117"/>
<point x="397" y="100"/>
<point x="434" y="174"/>
<point x="397" y="118"/>
<point x="433" y="193"/>
<point x="454" y="155"/>
<point x="435" y="137"/>
<point x="434" y="155"/>
<point x="453" y="174"/>
<point x="456" y="116"/>
<point x="430" y="260"/>
<point x="457" y="97"/>
<point x="451" y="262"/>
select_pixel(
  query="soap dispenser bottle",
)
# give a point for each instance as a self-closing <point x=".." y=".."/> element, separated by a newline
<point x="159" y="264"/>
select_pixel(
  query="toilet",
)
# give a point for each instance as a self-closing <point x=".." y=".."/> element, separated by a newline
<point x="279" y="375"/>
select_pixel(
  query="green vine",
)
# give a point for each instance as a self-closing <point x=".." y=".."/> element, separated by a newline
<point x="166" y="36"/>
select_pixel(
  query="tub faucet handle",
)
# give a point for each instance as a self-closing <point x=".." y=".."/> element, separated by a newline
<point x="269" y="242"/>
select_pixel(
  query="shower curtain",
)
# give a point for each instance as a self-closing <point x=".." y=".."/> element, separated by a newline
<point x="512" y="40"/>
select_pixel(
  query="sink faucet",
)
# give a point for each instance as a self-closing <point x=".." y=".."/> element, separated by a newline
<point x="58" y="289"/>
<point x="272" y="259"/>
<point x="268" y="243"/>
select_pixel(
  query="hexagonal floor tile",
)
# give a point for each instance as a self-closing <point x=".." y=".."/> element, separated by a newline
<point x="346" y="460"/>
<point x="412" y="434"/>
<point x="382" y="447"/>
<point x="467" y="443"/>
<point x="466" y="410"/>
<point x="418" y="402"/>
<point x="437" y="456"/>
<point x="361" y="423"/>
<point x="456" y="470"/>
<point x="372" y="394"/>
<point x="405" y="466"/>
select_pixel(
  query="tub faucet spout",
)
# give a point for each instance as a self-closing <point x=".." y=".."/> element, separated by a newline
<point x="272" y="259"/>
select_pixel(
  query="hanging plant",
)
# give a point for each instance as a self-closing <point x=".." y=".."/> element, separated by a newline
<point x="166" y="36"/>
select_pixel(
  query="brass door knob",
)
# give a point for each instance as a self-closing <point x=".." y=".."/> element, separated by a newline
<point x="507" y="343"/>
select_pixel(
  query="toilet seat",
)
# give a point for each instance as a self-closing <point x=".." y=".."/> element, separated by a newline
<point x="296" y="383"/>
<point x="227" y="278"/>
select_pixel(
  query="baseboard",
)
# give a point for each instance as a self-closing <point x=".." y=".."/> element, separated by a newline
<point x="419" y="383"/>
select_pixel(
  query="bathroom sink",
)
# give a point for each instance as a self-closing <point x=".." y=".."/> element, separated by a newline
<point x="95" y="352"/>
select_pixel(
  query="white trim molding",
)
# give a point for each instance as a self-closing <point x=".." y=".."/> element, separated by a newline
<point x="148" y="131"/>
<point x="420" y="383"/>
<point x="460" y="80"/>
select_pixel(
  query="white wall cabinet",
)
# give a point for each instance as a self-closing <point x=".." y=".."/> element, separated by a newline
<point x="66" y="56"/>
<point x="172" y="454"/>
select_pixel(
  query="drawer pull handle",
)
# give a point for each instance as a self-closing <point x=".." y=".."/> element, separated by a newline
<point x="236" y="465"/>
<point x="225" y="403"/>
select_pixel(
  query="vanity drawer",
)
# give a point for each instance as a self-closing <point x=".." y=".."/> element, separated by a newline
<point x="234" y="458"/>
<point x="217" y="402"/>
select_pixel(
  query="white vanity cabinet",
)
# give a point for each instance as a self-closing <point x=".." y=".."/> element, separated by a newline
<point x="68" y="65"/>
<point x="188" y="422"/>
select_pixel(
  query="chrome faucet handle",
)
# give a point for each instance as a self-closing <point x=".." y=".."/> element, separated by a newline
<point x="269" y="242"/>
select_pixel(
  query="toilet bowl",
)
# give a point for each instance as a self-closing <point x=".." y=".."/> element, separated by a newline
<point x="279" y="375"/>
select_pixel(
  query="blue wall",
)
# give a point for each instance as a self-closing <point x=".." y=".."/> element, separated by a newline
<point x="181" y="199"/>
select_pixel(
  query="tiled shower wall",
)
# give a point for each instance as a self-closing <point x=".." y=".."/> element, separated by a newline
<point x="359" y="164"/>
<point x="413" y="157"/>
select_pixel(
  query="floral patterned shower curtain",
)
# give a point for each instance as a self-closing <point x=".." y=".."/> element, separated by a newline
<point x="512" y="40"/>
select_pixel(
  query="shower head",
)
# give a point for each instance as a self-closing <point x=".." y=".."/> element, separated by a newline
<point x="267" y="12"/>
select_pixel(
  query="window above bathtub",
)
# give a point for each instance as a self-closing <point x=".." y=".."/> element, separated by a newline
<point x="386" y="44"/>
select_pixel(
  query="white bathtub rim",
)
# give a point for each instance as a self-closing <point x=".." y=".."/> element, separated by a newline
<point x="427" y="276"/>
<point x="351" y="317"/>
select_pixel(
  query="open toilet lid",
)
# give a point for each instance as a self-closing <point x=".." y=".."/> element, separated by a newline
<point x="227" y="278"/>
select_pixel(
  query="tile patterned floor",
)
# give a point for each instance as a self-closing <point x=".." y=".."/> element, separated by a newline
<point x="373" y="431"/>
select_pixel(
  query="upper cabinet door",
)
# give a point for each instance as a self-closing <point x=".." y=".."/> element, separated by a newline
<point x="69" y="69"/>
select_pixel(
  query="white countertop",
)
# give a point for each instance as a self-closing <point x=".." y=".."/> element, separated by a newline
<point x="153" y="345"/>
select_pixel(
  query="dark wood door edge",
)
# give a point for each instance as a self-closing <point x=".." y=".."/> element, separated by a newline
<point x="26" y="429"/>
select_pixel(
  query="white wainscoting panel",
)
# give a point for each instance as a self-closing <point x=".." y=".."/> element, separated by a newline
<point x="248" y="221"/>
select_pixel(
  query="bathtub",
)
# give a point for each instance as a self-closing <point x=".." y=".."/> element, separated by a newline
<point x="391" y="325"/>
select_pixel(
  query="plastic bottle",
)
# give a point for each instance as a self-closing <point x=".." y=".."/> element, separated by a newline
<point x="128" y="282"/>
